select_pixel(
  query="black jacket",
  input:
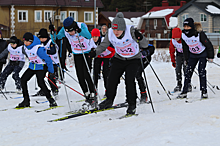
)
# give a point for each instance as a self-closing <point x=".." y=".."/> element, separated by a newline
<point x="3" y="46"/>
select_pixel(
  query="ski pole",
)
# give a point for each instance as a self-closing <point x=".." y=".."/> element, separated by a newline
<point x="3" y="94"/>
<point x="59" y="63"/>
<point x="216" y="64"/>
<point x="35" y="83"/>
<point x="213" y="86"/>
<point x="52" y="82"/>
<point x="88" y="67"/>
<point x="145" y="79"/>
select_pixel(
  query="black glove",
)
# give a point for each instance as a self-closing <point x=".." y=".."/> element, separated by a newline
<point x="145" y="53"/>
<point x="51" y="28"/>
<point x="92" y="53"/>
<point x="174" y="64"/>
<point x="77" y="28"/>
<point x="138" y="35"/>
<point x="70" y="55"/>
<point x="218" y="55"/>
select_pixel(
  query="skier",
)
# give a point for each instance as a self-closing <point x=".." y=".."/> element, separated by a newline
<point x="75" y="31"/>
<point x="178" y="60"/>
<point x="103" y="57"/>
<point x="3" y="46"/>
<point x="39" y="63"/>
<point x="15" y="64"/>
<point x="52" y="52"/>
<point x="197" y="48"/>
<point x="103" y="32"/>
<point x="125" y="40"/>
<point x="146" y="58"/>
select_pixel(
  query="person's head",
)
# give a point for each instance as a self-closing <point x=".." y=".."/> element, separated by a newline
<point x="13" y="41"/>
<point x="43" y="35"/>
<point x="118" y="24"/>
<point x="188" y="24"/>
<point x="28" y="38"/>
<point x="95" y="34"/>
<point x="104" y="29"/>
<point x="70" y="25"/>
<point x="176" y="33"/>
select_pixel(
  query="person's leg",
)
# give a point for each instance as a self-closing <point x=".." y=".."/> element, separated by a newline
<point x="202" y="77"/>
<point x="97" y="68"/>
<point x="178" y="70"/>
<point x="3" y="77"/>
<point x="1" y="66"/>
<point x="16" y="77"/>
<point x="141" y="84"/>
<point x="105" y="71"/>
<point x="52" y="81"/>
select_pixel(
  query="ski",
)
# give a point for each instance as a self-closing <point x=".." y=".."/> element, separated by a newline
<point x="121" y="105"/>
<point x="6" y="92"/>
<point x="127" y="116"/>
<point x="17" y="108"/>
<point x="40" y="102"/>
<point x="47" y="109"/>
<point x="84" y="100"/>
<point x="191" y="101"/>
<point x="16" y="97"/>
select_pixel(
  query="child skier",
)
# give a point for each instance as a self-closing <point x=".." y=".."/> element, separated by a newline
<point x="178" y="61"/>
<point x="75" y="32"/>
<point x="52" y="52"/>
<point x="15" y="64"/>
<point x="125" y="40"/>
<point x="146" y="58"/>
<point x="103" y="57"/>
<point x="39" y="63"/>
<point x="197" y="49"/>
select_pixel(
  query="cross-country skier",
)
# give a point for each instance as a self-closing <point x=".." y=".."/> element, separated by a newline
<point x="3" y="46"/>
<point x="15" y="64"/>
<point x="126" y="41"/>
<point x="75" y="31"/>
<point x="178" y="60"/>
<point x="197" y="48"/>
<point x="39" y="64"/>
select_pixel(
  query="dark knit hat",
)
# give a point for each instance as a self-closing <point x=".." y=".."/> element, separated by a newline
<point x="69" y="24"/>
<point x="43" y="33"/>
<point x="95" y="32"/>
<point x="189" y="22"/>
<point x="13" y="40"/>
<point x="118" y="22"/>
<point x="28" y="37"/>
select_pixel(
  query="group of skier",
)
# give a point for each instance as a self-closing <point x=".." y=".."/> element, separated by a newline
<point x="123" y="51"/>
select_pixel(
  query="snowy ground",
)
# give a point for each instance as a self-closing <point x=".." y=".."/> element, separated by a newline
<point x="173" y="123"/>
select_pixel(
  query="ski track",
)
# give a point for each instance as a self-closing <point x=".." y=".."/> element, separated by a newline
<point x="173" y="123"/>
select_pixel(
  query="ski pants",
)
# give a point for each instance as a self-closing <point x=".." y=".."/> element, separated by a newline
<point x="202" y="73"/>
<point x="117" y="69"/>
<point x="1" y="66"/>
<point x="7" y="71"/>
<point x="82" y="73"/>
<point x="40" y="75"/>
<point x="97" y="69"/>
<point x="178" y="69"/>
<point x="52" y="80"/>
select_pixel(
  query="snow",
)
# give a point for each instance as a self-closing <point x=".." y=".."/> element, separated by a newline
<point x="132" y="21"/>
<point x="173" y="123"/>
<point x="173" y="22"/>
<point x="212" y="9"/>
<point x="158" y="14"/>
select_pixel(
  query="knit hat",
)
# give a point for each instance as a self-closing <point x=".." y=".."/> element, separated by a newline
<point x="176" y="33"/>
<point x="69" y="24"/>
<point x="28" y="37"/>
<point x="43" y="33"/>
<point x="13" y="40"/>
<point x="118" y="22"/>
<point x="189" y="22"/>
<point x="95" y="32"/>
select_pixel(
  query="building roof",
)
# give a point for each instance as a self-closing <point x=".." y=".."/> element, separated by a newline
<point x="64" y="3"/>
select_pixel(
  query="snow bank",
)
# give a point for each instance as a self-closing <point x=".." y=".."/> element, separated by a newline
<point x="212" y="9"/>
<point x="173" y="22"/>
<point x="158" y="14"/>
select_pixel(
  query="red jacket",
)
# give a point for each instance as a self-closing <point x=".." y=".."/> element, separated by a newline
<point x="176" y="33"/>
<point x="112" y="50"/>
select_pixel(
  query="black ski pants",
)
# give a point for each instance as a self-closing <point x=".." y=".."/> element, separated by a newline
<point x="117" y="69"/>
<point x="82" y="73"/>
<point x="178" y="69"/>
<point x="40" y="75"/>
<point x="97" y="69"/>
<point x="52" y="80"/>
<point x="202" y="73"/>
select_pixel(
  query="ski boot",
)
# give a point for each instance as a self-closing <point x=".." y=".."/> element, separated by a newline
<point x="190" y="88"/>
<point x="52" y="102"/>
<point x="182" y="95"/>
<point x="143" y="97"/>
<point x="55" y="92"/>
<point x="131" y="109"/>
<point x="177" y="88"/>
<point x="24" y="103"/>
<point x="204" y="94"/>
<point x="93" y="100"/>
<point x="105" y="104"/>
<point x="39" y="93"/>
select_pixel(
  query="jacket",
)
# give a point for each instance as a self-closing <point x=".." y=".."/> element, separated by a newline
<point x="3" y="46"/>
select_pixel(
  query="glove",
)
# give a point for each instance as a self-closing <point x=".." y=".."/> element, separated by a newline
<point x="51" y="28"/>
<point x="77" y="28"/>
<point x="70" y="55"/>
<point x="218" y="55"/>
<point x="210" y="60"/>
<point x="51" y="74"/>
<point x="174" y="64"/>
<point x="145" y="53"/>
<point x="138" y="35"/>
<point x="92" y="53"/>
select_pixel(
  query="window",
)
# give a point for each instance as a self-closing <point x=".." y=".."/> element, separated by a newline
<point x="202" y="17"/>
<point x="155" y="22"/>
<point x="147" y="23"/>
<point x="185" y="16"/>
<point x="62" y="16"/>
<point x="88" y="17"/>
<point x="163" y="23"/>
<point x="74" y="15"/>
<point x="22" y="16"/>
<point x="47" y="15"/>
<point x="38" y="16"/>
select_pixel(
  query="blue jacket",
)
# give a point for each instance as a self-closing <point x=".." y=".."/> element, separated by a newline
<point x="41" y="52"/>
